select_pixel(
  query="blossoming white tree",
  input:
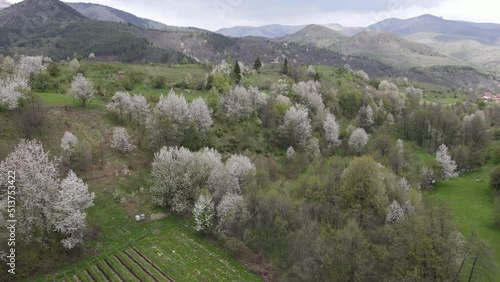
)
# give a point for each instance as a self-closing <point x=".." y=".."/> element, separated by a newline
<point x="122" y="103"/>
<point x="238" y="104"/>
<point x="12" y="90"/>
<point x="204" y="212"/>
<point x="240" y="167"/>
<point x="359" y="139"/>
<point x="231" y="212"/>
<point x="81" y="88"/>
<point x="69" y="143"/>
<point x="47" y="203"/>
<point x="121" y="140"/>
<point x="296" y="126"/>
<point x="331" y="128"/>
<point x="201" y="114"/>
<point x="29" y="65"/>
<point x="394" y="213"/>
<point x="447" y="166"/>
<point x="73" y="199"/>
<point x="37" y="181"/>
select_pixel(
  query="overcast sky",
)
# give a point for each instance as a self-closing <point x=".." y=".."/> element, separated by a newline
<point x="215" y="14"/>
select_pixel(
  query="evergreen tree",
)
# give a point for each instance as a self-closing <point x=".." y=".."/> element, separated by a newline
<point x="237" y="72"/>
<point x="257" y="64"/>
<point x="284" y="70"/>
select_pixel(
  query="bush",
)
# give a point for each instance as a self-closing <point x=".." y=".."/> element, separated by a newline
<point x="158" y="82"/>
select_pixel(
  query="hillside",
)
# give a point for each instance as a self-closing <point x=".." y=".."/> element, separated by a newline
<point x="105" y="13"/>
<point x="319" y="36"/>
<point x="482" y="32"/>
<point x="463" y="48"/>
<point x="377" y="45"/>
<point x="36" y="13"/>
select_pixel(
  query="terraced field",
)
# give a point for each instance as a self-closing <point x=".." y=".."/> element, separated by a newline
<point x="166" y="255"/>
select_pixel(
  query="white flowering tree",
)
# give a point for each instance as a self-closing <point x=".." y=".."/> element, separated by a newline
<point x="414" y="96"/>
<point x="231" y="212"/>
<point x="280" y="87"/>
<point x="121" y="140"/>
<point x="69" y="143"/>
<point x="139" y="109"/>
<point x="331" y="128"/>
<point x="73" y="199"/>
<point x="37" y="186"/>
<point x="179" y="174"/>
<point x="238" y="104"/>
<point x="122" y="103"/>
<point x="204" y="212"/>
<point x="447" y="166"/>
<point x="30" y="65"/>
<point x="290" y="152"/>
<point x="12" y="90"/>
<point x="240" y="167"/>
<point x="296" y="127"/>
<point x="81" y="88"/>
<point x="171" y="177"/>
<point x="221" y="182"/>
<point x="387" y="86"/>
<point x="358" y="140"/>
<point x="308" y="93"/>
<point x="259" y="98"/>
<point x="394" y="213"/>
<point x="201" y="114"/>
<point x="362" y="74"/>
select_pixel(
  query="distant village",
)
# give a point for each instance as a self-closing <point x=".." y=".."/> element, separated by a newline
<point x="491" y="97"/>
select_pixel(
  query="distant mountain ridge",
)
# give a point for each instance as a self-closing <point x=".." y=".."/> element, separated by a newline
<point x="52" y="28"/>
<point x="377" y="45"/>
<point x="483" y="32"/>
<point x="106" y="13"/>
<point x="276" y="30"/>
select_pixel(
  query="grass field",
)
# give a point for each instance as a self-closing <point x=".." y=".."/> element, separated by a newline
<point x="170" y="253"/>
<point x="445" y="100"/>
<point x="471" y="201"/>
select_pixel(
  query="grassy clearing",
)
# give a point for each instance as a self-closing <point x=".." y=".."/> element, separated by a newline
<point x="471" y="201"/>
<point x="445" y="100"/>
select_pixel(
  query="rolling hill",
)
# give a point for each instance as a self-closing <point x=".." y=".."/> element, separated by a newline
<point x="377" y="45"/>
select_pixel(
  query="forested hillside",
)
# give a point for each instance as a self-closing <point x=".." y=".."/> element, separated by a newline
<point x="301" y="173"/>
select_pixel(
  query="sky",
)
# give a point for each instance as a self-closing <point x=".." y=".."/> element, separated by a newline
<point x="216" y="14"/>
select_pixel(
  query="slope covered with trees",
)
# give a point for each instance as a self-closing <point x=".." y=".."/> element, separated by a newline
<point x="300" y="179"/>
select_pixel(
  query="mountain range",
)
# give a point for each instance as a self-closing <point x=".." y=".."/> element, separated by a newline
<point x="53" y="28"/>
